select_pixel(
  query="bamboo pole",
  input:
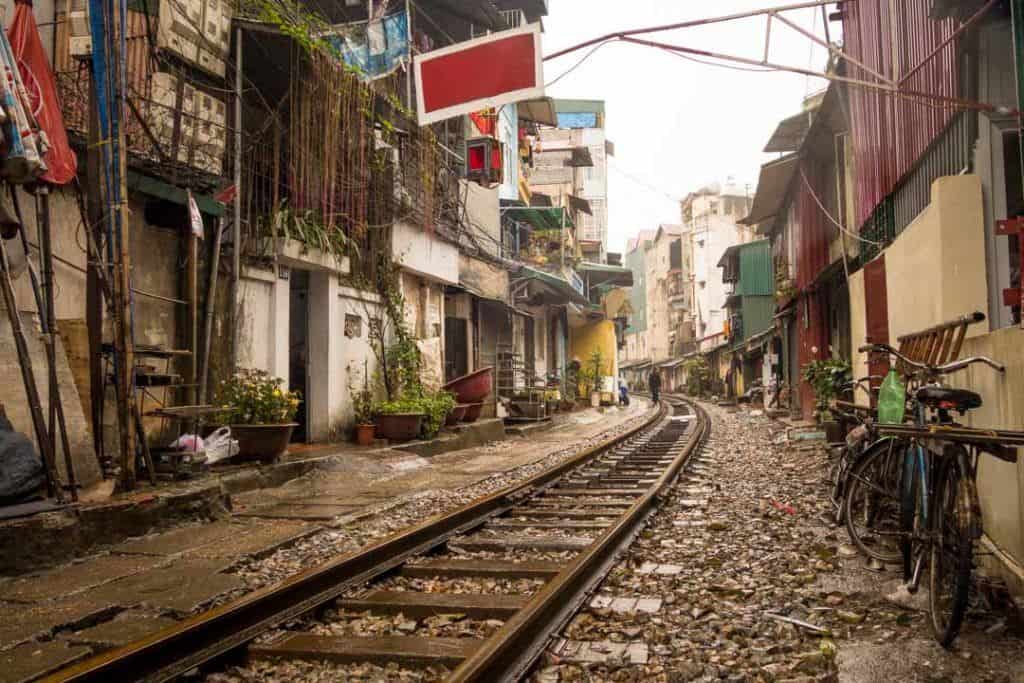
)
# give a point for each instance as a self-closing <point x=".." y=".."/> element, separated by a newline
<point x="28" y="377"/>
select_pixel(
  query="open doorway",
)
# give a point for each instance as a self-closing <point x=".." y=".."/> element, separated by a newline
<point x="298" y="347"/>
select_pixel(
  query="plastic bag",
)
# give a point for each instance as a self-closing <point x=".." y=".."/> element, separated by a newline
<point x="188" y="442"/>
<point x="892" y="399"/>
<point x="220" y="446"/>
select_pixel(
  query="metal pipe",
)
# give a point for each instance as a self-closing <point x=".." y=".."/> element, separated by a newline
<point x="211" y="296"/>
<point x="236" y="232"/>
<point x="831" y="48"/>
<point x="686" y="24"/>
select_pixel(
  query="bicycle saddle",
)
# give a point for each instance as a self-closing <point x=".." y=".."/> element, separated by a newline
<point x="960" y="400"/>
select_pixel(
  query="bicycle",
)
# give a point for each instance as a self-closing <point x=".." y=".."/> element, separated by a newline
<point x="927" y="473"/>
<point x="856" y="421"/>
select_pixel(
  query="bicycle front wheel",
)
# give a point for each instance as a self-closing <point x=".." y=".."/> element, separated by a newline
<point x="871" y="506"/>
<point x="956" y="524"/>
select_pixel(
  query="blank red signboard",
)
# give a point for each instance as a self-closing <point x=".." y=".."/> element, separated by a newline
<point x="491" y="71"/>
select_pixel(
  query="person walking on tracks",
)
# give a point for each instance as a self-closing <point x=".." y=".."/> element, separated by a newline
<point x="654" y="382"/>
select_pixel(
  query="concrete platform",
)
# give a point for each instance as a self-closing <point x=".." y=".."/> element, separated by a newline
<point x="125" y="628"/>
<point x="33" y="660"/>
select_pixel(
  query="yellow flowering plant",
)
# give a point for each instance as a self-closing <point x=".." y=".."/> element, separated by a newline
<point x="254" y="397"/>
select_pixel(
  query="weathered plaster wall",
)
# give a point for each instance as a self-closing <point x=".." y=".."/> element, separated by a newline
<point x="858" y="326"/>
<point x="935" y="270"/>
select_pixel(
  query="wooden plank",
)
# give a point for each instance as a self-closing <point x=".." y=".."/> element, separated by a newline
<point x="595" y="492"/>
<point x="557" y="513"/>
<point x="414" y="604"/>
<point x="556" y="544"/>
<point x="533" y="569"/>
<point x="519" y="524"/>
<point x="380" y="649"/>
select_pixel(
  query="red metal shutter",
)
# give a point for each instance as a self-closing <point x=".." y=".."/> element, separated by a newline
<point x="876" y="312"/>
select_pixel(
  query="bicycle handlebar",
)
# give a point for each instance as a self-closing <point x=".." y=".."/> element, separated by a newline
<point x="952" y="366"/>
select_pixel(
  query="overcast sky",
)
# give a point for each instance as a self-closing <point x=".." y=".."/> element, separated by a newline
<point x="679" y="125"/>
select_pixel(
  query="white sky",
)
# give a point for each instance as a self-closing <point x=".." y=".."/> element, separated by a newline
<point x="678" y="125"/>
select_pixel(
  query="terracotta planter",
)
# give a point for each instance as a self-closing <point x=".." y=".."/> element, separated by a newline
<point x="476" y="386"/>
<point x="473" y="411"/>
<point x="399" y="426"/>
<point x="365" y="434"/>
<point x="456" y="414"/>
<point x="262" y="442"/>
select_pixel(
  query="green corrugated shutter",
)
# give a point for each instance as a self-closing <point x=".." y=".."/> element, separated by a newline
<point x="757" y="315"/>
<point x="756" y="269"/>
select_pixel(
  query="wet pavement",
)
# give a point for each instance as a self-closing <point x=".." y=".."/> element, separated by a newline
<point x="752" y="583"/>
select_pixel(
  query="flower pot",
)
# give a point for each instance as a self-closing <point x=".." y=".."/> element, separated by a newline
<point x="263" y="442"/>
<point x="473" y="387"/>
<point x="399" y="426"/>
<point x="456" y="414"/>
<point x="365" y="434"/>
<point x="473" y="411"/>
<point x="595" y="399"/>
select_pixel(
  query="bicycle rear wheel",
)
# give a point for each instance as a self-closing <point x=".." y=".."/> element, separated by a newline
<point x="871" y="506"/>
<point x="956" y="523"/>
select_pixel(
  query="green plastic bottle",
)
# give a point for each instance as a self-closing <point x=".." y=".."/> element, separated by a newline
<point x="892" y="399"/>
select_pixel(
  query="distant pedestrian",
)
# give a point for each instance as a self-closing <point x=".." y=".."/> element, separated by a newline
<point x="654" y="382"/>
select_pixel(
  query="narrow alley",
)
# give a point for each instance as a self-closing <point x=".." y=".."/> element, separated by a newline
<point x="487" y="341"/>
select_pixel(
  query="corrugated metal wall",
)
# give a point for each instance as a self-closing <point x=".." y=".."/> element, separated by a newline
<point x="756" y="269"/>
<point x="810" y="229"/>
<point x="891" y="133"/>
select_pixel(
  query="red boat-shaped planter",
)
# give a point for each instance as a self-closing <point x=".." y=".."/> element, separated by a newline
<point x="472" y="388"/>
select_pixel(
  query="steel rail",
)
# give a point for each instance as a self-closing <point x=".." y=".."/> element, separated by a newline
<point x="509" y="653"/>
<point x="184" y="646"/>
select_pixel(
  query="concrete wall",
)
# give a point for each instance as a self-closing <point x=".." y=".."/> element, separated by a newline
<point x="156" y="269"/>
<point x="935" y="271"/>
<point x="583" y="341"/>
<point x="424" y="254"/>
<point x="483" y="215"/>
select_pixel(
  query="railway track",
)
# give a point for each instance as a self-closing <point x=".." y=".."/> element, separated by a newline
<point x="518" y="563"/>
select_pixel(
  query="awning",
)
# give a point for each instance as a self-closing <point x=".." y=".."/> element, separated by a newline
<point x="634" y="365"/>
<point x="772" y="188"/>
<point x="554" y="285"/>
<point x="161" y="190"/>
<point x="543" y="218"/>
<point x="789" y="134"/>
<point x="580" y="204"/>
<point x="580" y="158"/>
<point x="727" y="254"/>
<point x="674" y="363"/>
<point x="604" y="274"/>
<point x="540" y="110"/>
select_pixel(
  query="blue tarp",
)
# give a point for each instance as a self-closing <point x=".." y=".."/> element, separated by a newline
<point x="376" y="48"/>
<point x="577" y="120"/>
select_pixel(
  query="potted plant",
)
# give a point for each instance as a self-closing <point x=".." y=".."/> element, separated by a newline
<point x="827" y="377"/>
<point x="415" y="414"/>
<point x="260" y="413"/>
<point x="362" y="406"/>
